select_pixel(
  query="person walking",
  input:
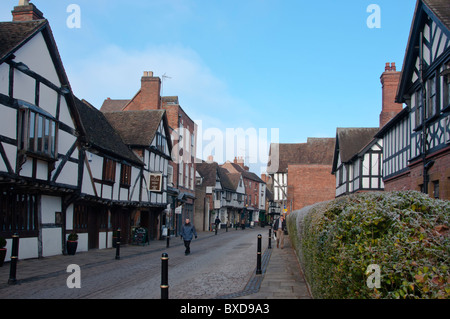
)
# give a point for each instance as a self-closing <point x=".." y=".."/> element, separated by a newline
<point x="278" y="228"/>
<point x="217" y="222"/>
<point x="187" y="232"/>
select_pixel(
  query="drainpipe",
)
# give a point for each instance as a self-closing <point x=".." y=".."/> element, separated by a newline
<point x="424" y="129"/>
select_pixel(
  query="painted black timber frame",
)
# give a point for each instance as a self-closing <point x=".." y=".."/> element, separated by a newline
<point x="425" y="138"/>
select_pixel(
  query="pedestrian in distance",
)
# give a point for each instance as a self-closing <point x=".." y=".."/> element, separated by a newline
<point x="187" y="233"/>
<point x="217" y="222"/>
<point x="278" y="228"/>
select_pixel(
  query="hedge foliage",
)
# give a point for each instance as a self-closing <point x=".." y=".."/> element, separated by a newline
<point x="405" y="233"/>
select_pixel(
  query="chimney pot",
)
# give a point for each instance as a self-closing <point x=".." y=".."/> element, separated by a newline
<point x="26" y="11"/>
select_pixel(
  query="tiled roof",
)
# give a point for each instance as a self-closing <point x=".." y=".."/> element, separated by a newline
<point x="208" y="172"/>
<point x="225" y="179"/>
<point x="441" y="8"/>
<point x="315" y="151"/>
<point x="110" y="105"/>
<point x="245" y="173"/>
<point x="234" y="179"/>
<point x="136" y="128"/>
<point x="99" y="132"/>
<point x="353" y="140"/>
<point x="13" y="34"/>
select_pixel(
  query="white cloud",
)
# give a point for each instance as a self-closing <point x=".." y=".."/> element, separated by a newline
<point x="114" y="72"/>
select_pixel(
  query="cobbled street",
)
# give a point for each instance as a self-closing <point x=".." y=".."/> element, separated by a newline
<point x="208" y="272"/>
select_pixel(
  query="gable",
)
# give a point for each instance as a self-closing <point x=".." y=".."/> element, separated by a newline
<point x="350" y="141"/>
<point x="36" y="56"/>
<point x="430" y="38"/>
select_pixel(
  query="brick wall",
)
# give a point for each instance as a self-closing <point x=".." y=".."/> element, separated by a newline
<point x="148" y="97"/>
<point x="27" y="13"/>
<point x="413" y="179"/>
<point x="309" y="184"/>
<point x="389" y="80"/>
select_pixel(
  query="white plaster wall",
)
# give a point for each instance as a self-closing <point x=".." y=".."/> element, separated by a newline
<point x="49" y="205"/>
<point x="11" y="152"/>
<point x="24" y="87"/>
<point x="69" y="217"/>
<point x="36" y="56"/>
<point x="65" y="142"/>
<point x="4" y="78"/>
<point x="27" y="168"/>
<point x="28" y="248"/>
<point x="102" y="244"/>
<point x="64" y="114"/>
<point x="48" y="99"/>
<point x="41" y="170"/>
<point x="69" y="174"/>
<point x="51" y="241"/>
<point x="8" y="123"/>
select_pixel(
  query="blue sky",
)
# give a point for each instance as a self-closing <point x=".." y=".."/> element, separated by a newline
<point x="302" y="67"/>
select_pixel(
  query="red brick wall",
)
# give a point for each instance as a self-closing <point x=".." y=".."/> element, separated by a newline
<point x="250" y="190"/>
<point x="413" y="179"/>
<point x="400" y="183"/>
<point x="175" y="114"/>
<point x="148" y="98"/>
<point x="309" y="184"/>
<point x="27" y="13"/>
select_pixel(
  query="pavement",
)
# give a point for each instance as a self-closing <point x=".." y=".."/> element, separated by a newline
<point x="281" y="276"/>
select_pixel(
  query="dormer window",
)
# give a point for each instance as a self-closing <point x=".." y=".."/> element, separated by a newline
<point x="37" y="131"/>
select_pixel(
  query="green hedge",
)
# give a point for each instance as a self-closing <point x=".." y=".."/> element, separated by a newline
<point x="405" y="233"/>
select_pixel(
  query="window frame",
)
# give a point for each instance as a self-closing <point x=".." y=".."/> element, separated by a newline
<point x="37" y="134"/>
<point x="109" y="171"/>
<point x="19" y="213"/>
<point x="418" y="112"/>
<point x="431" y="100"/>
<point x="125" y="175"/>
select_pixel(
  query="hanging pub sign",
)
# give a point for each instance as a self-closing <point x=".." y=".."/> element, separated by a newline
<point x="155" y="182"/>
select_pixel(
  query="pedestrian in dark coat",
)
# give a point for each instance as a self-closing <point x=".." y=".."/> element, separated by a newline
<point x="279" y="227"/>
<point x="217" y="222"/>
<point x="187" y="232"/>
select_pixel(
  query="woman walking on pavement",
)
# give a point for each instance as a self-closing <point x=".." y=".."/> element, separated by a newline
<point x="187" y="232"/>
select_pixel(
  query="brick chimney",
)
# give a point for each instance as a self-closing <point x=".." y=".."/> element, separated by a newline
<point x="389" y="80"/>
<point x="239" y="161"/>
<point x="26" y="11"/>
<point x="150" y="91"/>
<point x="148" y="97"/>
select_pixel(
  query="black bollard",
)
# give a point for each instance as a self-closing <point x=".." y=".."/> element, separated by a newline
<point x="14" y="257"/>
<point x="118" y="245"/>
<point x="258" y="260"/>
<point x="168" y="238"/>
<point x="165" y="276"/>
<point x="270" y="239"/>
